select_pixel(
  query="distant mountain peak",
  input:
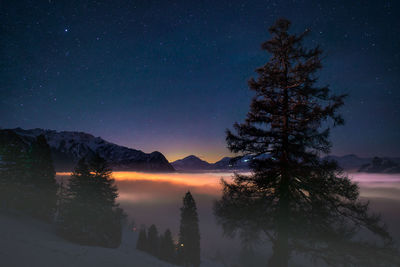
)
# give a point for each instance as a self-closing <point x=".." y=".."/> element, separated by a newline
<point x="381" y="165"/>
<point x="191" y="162"/>
<point x="349" y="162"/>
<point x="194" y="163"/>
<point x="193" y="157"/>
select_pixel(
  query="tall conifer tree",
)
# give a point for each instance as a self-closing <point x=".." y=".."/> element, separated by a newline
<point x="90" y="214"/>
<point x="189" y="233"/>
<point x="300" y="202"/>
<point x="14" y="171"/>
<point x="76" y="212"/>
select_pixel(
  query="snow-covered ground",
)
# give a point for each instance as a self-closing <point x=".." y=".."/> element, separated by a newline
<point x="25" y="242"/>
<point x="28" y="243"/>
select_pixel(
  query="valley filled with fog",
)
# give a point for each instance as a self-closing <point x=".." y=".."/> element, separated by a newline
<point x="155" y="198"/>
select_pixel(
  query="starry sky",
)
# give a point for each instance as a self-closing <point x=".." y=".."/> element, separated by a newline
<point x="172" y="75"/>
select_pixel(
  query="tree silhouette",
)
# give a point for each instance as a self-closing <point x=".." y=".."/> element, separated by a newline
<point x="89" y="214"/>
<point x="27" y="175"/>
<point x="14" y="171"/>
<point x="189" y="234"/>
<point x="167" y="247"/>
<point x="42" y="177"/>
<point x="153" y="241"/>
<point x="141" y="243"/>
<point x="298" y="201"/>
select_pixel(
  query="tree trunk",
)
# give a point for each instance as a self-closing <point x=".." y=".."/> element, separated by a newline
<point x="280" y="253"/>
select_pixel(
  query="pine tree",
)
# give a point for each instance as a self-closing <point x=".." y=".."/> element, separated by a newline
<point x="27" y="175"/>
<point x="112" y="216"/>
<point x="90" y="214"/>
<point x="141" y="243"/>
<point x="153" y="241"/>
<point x="42" y="177"/>
<point x="189" y="234"/>
<point x="73" y="221"/>
<point x="167" y="247"/>
<point x="298" y="201"/>
<point x="15" y="184"/>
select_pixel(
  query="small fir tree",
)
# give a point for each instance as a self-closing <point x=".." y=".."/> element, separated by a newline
<point x="141" y="243"/>
<point x="167" y="247"/>
<point x="153" y="241"/>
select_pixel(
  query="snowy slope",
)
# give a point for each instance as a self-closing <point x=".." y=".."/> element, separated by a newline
<point x="68" y="147"/>
<point x="25" y="242"/>
<point x="28" y="243"/>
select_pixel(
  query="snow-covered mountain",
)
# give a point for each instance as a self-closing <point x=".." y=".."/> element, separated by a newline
<point x="350" y="163"/>
<point x="193" y="163"/>
<point x="381" y="165"/>
<point x="230" y="163"/>
<point x="68" y="147"/>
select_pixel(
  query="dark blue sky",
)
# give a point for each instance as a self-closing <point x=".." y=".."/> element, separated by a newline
<point x="172" y="75"/>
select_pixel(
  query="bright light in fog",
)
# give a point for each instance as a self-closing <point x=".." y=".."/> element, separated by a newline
<point x="190" y="179"/>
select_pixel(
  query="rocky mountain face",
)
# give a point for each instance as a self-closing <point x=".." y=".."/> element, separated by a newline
<point x="68" y="147"/>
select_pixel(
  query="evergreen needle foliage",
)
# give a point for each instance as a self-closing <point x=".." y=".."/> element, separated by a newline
<point x="141" y="243"/>
<point x="298" y="201"/>
<point x="27" y="176"/>
<point x="189" y="234"/>
<point x="162" y="247"/>
<point x="153" y="241"/>
<point x="167" y="247"/>
<point x="89" y="214"/>
<point x="14" y="171"/>
<point x="42" y="176"/>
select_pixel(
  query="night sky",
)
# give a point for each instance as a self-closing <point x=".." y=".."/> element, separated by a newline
<point x="172" y="75"/>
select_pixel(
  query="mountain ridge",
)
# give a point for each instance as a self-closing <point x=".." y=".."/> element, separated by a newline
<point x="194" y="163"/>
<point x="67" y="147"/>
<point x="349" y="162"/>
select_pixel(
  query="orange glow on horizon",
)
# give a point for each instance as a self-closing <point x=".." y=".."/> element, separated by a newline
<point x="191" y="179"/>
